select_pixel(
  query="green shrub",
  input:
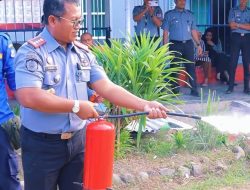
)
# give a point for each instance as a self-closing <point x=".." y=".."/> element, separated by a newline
<point x="179" y="139"/>
<point x="157" y="147"/>
<point x="125" y="144"/>
<point x="141" y="69"/>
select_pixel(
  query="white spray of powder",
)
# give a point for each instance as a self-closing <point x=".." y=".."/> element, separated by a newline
<point x="233" y="124"/>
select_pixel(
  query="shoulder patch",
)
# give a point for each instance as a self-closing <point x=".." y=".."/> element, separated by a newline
<point x="32" y="61"/>
<point x="37" y="42"/>
<point x="81" y="45"/>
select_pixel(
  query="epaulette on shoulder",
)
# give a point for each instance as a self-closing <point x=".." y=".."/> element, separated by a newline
<point x="6" y="36"/>
<point x="170" y="11"/>
<point x="81" y="46"/>
<point x="37" y="42"/>
<point x="189" y="11"/>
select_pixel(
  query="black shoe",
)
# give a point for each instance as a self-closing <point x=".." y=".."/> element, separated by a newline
<point x="235" y="84"/>
<point x="229" y="91"/>
<point x="247" y="91"/>
<point x="194" y="93"/>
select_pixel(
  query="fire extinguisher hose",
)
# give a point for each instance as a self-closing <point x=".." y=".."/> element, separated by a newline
<point x="146" y="113"/>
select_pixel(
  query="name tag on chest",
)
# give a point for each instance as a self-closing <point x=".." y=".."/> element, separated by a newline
<point x="50" y="67"/>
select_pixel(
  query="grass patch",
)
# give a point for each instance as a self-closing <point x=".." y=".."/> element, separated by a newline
<point x="238" y="174"/>
<point x="157" y="147"/>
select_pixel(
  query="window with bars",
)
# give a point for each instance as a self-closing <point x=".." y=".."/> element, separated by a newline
<point x="202" y="12"/>
<point x="97" y="17"/>
<point x="84" y="13"/>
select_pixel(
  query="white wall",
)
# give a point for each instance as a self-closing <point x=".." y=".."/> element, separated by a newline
<point x="121" y="17"/>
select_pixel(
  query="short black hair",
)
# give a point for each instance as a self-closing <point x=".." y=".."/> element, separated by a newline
<point x="42" y="19"/>
<point x="86" y="33"/>
<point x="55" y="7"/>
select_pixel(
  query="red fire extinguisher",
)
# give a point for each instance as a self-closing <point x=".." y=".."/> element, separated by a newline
<point x="99" y="155"/>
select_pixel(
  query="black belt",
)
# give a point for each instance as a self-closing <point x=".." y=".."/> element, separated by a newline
<point x="62" y="136"/>
<point x="180" y="42"/>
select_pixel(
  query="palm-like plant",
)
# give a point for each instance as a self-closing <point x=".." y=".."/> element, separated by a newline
<point x="140" y="67"/>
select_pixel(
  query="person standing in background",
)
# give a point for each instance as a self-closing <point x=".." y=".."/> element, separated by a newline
<point x="148" y="18"/>
<point x="179" y="28"/>
<point x="239" y="22"/>
<point x="8" y="156"/>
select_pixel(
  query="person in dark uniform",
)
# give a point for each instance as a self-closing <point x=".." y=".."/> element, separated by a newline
<point x="53" y="71"/>
<point x="179" y="28"/>
<point x="239" y="22"/>
<point x="148" y="18"/>
<point x="8" y="156"/>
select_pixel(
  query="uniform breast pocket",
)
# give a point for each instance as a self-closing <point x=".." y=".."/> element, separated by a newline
<point x="174" y="22"/>
<point x="51" y="79"/>
<point x="237" y="16"/>
<point x="83" y="75"/>
<point x="82" y="78"/>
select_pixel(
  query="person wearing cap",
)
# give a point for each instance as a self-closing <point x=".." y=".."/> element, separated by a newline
<point x="239" y="22"/>
<point x="53" y="71"/>
<point x="179" y="28"/>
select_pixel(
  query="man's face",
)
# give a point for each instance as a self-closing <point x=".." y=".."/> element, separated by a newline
<point x="65" y="31"/>
<point x="180" y="4"/>
<point x="87" y="40"/>
<point x="243" y="3"/>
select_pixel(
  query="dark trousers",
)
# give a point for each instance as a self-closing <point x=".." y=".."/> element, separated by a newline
<point x="239" y="42"/>
<point x="8" y="164"/>
<point x="49" y="162"/>
<point x="184" y="50"/>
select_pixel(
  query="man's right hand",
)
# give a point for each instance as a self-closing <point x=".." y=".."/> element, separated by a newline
<point x="87" y="110"/>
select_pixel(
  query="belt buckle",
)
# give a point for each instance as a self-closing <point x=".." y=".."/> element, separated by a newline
<point x="242" y="34"/>
<point x="184" y="41"/>
<point x="66" y="136"/>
